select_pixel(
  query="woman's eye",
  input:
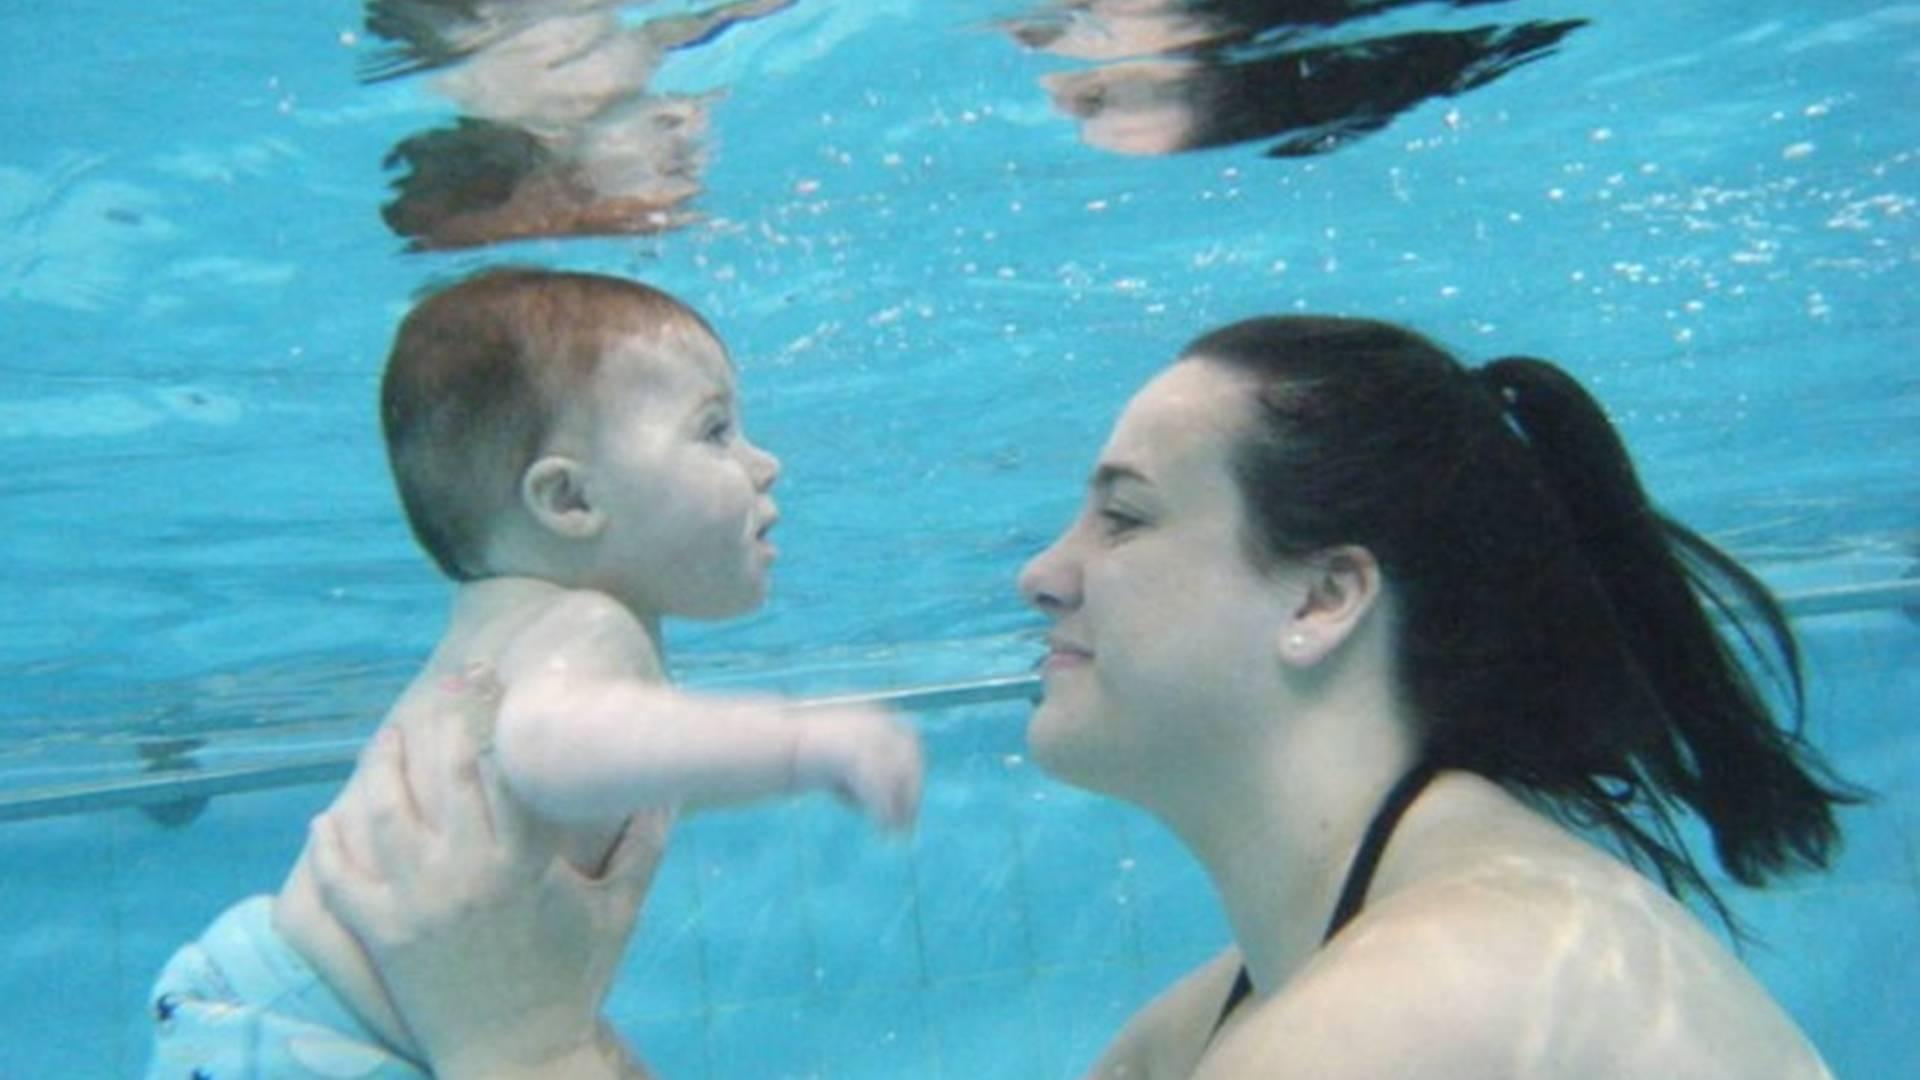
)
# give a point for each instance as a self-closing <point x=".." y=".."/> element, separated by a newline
<point x="1118" y="521"/>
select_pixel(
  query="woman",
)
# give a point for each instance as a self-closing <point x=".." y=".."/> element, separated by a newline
<point x="1374" y="634"/>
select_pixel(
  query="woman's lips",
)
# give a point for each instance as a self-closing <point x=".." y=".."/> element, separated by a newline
<point x="1063" y="655"/>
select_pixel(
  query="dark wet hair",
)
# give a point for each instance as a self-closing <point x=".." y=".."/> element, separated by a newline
<point x="1321" y="97"/>
<point x="1555" y="631"/>
<point x="477" y="377"/>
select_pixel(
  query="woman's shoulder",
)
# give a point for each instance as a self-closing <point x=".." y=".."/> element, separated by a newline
<point x="1512" y="948"/>
<point x="1166" y="1038"/>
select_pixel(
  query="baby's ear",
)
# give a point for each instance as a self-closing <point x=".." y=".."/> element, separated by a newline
<point x="554" y="491"/>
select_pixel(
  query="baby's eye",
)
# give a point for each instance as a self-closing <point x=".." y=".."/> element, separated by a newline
<point x="718" y="430"/>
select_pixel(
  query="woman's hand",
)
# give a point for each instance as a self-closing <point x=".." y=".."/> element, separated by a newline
<point x="496" y="953"/>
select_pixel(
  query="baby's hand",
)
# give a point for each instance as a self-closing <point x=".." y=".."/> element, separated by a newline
<point x="864" y="756"/>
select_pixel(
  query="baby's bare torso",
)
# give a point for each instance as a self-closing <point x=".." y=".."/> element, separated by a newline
<point x="487" y="619"/>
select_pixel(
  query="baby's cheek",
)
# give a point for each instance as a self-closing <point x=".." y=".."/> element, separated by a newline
<point x="719" y="512"/>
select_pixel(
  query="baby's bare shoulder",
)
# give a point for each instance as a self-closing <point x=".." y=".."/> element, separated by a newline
<point x="580" y="632"/>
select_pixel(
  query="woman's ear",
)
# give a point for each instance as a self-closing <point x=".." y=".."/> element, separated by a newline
<point x="554" y="492"/>
<point x="1343" y="586"/>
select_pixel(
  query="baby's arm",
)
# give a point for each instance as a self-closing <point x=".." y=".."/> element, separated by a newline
<point x="583" y="736"/>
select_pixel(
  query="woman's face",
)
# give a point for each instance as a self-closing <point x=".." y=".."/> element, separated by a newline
<point x="1138" y="107"/>
<point x="1165" y="636"/>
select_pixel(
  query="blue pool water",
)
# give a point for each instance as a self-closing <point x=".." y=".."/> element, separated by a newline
<point x="937" y="295"/>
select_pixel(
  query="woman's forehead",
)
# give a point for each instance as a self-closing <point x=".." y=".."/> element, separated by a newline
<point x="1185" y="418"/>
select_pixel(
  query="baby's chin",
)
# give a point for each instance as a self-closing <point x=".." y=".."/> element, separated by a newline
<point x="751" y="598"/>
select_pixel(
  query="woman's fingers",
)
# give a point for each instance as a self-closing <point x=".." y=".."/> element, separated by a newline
<point x="513" y="829"/>
<point x="331" y="859"/>
<point x="468" y="809"/>
<point x="590" y="920"/>
<point x="636" y="858"/>
<point x="389" y="826"/>
<point x="477" y="811"/>
<point x="629" y="873"/>
<point x="356" y="897"/>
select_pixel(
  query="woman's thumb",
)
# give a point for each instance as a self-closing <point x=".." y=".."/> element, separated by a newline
<point x="630" y="869"/>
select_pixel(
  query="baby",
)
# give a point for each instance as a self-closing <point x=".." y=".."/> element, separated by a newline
<point x="568" y="449"/>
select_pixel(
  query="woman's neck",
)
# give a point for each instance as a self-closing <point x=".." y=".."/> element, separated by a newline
<point x="1277" y="831"/>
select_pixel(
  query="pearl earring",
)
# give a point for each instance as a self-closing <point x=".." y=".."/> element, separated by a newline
<point x="1296" y="641"/>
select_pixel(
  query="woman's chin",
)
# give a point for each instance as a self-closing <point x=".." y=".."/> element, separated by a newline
<point x="1051" y="744"/>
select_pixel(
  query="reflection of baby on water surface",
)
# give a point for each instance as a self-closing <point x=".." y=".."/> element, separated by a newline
<point x="559" y="135"/>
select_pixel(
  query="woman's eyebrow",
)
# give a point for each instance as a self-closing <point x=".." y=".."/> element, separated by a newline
<point x="1110" y="474"/>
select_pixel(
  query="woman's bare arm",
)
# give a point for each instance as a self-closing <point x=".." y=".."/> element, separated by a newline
<point x="1165" y="1039"/>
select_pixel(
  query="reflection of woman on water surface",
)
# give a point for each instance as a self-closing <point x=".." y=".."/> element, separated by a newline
<point x="1172" y="76"/>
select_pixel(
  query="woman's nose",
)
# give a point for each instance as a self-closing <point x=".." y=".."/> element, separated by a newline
<point x="763" y="467"/>
<point x="1049" y="581"/>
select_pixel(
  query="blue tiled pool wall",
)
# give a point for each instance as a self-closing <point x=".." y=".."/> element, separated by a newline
<point x="1009" y="938"/>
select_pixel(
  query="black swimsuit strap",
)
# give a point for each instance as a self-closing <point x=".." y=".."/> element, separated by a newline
<point x="1353" y="892"/>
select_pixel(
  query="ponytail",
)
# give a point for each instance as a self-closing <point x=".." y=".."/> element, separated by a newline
<point x="1713" y="744"/>
<point x="1555" y="633"/>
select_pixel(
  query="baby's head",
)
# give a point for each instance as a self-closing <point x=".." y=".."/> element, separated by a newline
<point x="582" y="429"/>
